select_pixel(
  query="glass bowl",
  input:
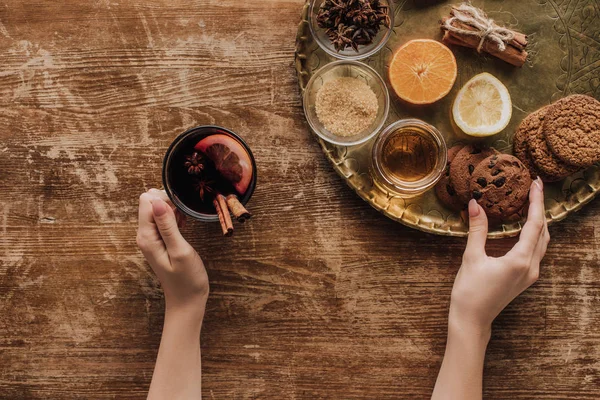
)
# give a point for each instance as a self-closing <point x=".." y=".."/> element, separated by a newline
<point x="410" y="135"/>
<point x="354" y="69"/>
<point x="172" y="167"/>
<point x="364" y="51"/>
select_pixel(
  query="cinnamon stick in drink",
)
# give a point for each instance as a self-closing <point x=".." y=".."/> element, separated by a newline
<point x="223" y="212"/>
<point x="237" y="208"/>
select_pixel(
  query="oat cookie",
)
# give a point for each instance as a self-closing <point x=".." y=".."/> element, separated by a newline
<point x="444" y="189"/>
<point x="520" y="148"/>
<point x="551" y="167"/>
<point x="500" y="184"/>
<point x="463" y="166"/>
<point x="572" y="130"/>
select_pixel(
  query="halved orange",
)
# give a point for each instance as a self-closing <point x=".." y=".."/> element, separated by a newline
<point x="422" y="71"/>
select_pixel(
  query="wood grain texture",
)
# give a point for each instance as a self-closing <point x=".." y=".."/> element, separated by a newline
<point x="319" y="296"/>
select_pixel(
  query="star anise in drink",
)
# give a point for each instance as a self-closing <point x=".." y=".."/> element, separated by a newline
<point x="204" y="186"/>
<point x="195" y="163"/>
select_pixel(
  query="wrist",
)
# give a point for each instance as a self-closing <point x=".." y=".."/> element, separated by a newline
<point x="190" y="313"/>
<point x="467" y="330"/>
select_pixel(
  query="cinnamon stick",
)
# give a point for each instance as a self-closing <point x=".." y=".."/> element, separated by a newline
<point x="223" y="212"/>
<point x="237" y="208"/>
<point x="519" y="40"/>
<point x="514" y="53"/>
<point x="511" y="55"/>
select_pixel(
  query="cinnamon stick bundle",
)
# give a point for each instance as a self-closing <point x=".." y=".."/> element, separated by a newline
<point x="468" y="26"/>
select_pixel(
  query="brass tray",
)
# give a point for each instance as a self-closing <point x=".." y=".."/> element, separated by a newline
<point x="564" y="59"/>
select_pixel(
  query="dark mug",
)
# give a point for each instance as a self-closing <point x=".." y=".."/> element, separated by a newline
<point x="175" y="176"/>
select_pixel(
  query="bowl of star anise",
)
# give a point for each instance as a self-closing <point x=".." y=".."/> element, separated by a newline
<point x="209" y="173"/>
<point x="351" y="29"/>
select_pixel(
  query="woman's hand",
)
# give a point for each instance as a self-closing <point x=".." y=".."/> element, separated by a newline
<point x="178" y="370"/>
<point x="485" y="285"/>
<point x="174" y="261"/>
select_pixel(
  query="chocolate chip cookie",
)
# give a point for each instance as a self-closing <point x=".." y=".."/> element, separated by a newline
<point x="463" y="165"/>
<point x="444" y="189"/>
<point x="572" y="130"/>
<point x="500" y="184"/>
<point x="453" y="151"/>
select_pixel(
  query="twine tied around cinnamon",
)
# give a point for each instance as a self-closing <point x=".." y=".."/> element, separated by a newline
<point x="486" y="28"/>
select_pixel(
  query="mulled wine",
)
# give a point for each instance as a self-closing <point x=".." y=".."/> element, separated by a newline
<point x="209" y="172"/>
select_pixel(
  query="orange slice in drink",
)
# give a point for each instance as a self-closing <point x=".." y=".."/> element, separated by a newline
<point x="230" y="158"/>
<point x="422" y="71"/>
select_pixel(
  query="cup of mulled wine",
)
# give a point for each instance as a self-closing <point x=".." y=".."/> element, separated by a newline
<point x="205" y="163"/>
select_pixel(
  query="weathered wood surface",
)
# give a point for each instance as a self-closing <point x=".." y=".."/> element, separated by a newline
<point x="318" y="297"/>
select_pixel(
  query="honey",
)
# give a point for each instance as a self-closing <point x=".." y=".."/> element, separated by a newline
<point x="408" y="158"/>
<point x="409" y="154"/>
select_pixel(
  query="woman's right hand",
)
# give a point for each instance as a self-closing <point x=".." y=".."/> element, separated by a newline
<point x="174" y="261"/>
<point x="485" y="285"/>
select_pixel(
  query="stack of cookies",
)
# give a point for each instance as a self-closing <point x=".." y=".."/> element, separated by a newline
<point x="499" y="182"/>
<point x="553" y="142"/>
<point x="560" y="139"/>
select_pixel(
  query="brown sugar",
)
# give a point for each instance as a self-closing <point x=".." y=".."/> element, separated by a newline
<point x="346" y="106"/>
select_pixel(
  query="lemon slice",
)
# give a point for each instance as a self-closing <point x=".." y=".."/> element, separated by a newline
<point x="482" y="107"/>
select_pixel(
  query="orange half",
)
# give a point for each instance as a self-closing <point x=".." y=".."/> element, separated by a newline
<point x="422" y="71"/>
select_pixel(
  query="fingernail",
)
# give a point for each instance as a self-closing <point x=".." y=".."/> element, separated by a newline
<point x="538" y="182"/>
<point x="473" y="208"/>
<point x="159" y="207"/>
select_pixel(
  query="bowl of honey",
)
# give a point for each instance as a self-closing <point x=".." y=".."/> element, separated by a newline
<point x="408" y="157"/>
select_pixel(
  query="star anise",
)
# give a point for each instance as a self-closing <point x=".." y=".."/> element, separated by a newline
<point x="194" y="163"/>
<point x="204" y="187"/>
<point x="350" y="23"/>
<point x="340" y="37"/>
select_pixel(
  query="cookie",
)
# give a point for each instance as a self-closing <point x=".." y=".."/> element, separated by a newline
<point x="572" y="130"/>
<point x="518" y="216"/>
<point x="520" y="149"/>
<point x="511" y="219"/>
<point x="444" y="189"/>
<point x="500" y="184"/>
<point x="552" y="167"/>
<point x="463" y="166"/>
<point x="453" y="151"/>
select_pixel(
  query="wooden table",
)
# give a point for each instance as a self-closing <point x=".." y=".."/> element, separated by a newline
<point x="318" y="297"/>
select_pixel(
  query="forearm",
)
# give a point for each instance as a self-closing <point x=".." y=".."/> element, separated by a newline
<point x="461" y="373"/>
<point x="177" y="374"/>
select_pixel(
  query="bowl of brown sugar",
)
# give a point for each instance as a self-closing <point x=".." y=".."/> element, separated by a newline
<point x="346" y="103"/>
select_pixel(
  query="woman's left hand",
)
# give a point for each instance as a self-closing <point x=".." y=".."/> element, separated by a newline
<point x="177" y="265"/>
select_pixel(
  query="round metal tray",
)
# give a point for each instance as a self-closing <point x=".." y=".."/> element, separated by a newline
<point x="563" y="60"/>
